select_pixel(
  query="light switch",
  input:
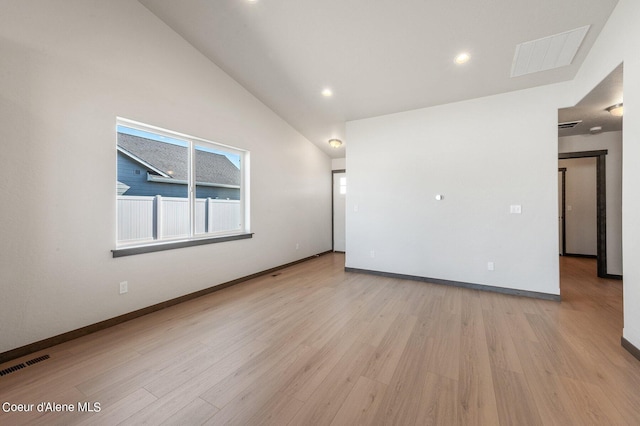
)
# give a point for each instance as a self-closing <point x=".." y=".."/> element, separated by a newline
<point x="439" y="197"/>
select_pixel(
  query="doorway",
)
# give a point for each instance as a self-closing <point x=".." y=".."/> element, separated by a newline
<point x="589" y="131"/>
<point x="580" y="208"/>
<point x="338" y="204"/>
<point x="600" y="211"/>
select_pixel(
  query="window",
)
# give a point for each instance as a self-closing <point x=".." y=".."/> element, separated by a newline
<point x="175" y="188"/>
<point x="343" y="185"/>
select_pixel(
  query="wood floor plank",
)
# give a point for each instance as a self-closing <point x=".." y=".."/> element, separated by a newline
<point x="121" y="410"/>
<point x="614" y="372"/>
<point x="444" y="345"/>
<point x="451" y="300"/>
<point x="324" y="403"/>
<point x="241" y="378"/>
<point x="439" y="401"/>
<point x="375" y="306"/>
<point x="519" y="327"/>
<point x="502" y="351"/>
<point x="361" y="405"/>
<point x="516" y="405"/>
<point x="195" y="413"/>
<point x="319" y="366"/>
<point x="175" y="398"/>
<point x="169" y="405"/>
<point x="555" y="406"/>
<point x="388" y="352"/>
<point x="596" y="408"/>
<point x="186" y="370"/>
<point x="114" y="376"/>
<point x="280" y="410"/>
<point x="265" y="401"/>
<point x="476" y="394"/>
<point x="560" y="356"/>
<point x="379" y="325"/>
<point x="400" y="404"/>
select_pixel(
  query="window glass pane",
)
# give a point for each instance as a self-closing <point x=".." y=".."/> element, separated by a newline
<point x="153" y="175"/>
<point x="218" y="179"/>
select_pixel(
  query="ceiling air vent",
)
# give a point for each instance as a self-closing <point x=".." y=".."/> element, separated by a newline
<point x="569" y="124"/>
<point x="548" y="52"/>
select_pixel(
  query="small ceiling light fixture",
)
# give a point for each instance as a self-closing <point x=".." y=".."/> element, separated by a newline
<point x="616" y="109"/>
<point x="326" y="92"/>
<point x="595" y="129"/>
<point x="462" y="58"/>
<point x="335" y="143"/>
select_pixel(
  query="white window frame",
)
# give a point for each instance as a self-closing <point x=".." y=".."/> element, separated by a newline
<point x="125" y="248"/>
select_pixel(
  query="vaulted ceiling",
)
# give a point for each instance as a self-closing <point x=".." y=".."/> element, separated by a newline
<point x="377" y="56"/>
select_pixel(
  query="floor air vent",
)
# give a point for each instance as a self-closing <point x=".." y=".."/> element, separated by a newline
<point x="22" y="365"/>
<point x="37" y="360"/>
<point x="12" y="369"/>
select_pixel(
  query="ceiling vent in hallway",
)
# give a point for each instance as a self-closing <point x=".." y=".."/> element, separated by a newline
<point x="548" y="52"/>
<point x="569" y="124"/>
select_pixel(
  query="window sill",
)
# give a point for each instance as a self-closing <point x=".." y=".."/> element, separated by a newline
<point x="130" y="251"/>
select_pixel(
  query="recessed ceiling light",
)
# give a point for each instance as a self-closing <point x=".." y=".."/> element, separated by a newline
<point x="252" y="1"/>
<point x="327" y="92"/>
<point x="462" y="58"/>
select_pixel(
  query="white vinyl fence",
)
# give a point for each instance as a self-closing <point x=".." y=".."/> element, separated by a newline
<point x="151" y="218"/>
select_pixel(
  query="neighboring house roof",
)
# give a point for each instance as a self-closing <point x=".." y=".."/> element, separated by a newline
<point x="170" y="161"/>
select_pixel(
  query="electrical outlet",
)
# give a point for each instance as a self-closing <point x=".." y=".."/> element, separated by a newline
<point x="124" y="287"/>
<point x="373" y="253"/>
<point x="297" y="246"/>
<point x="490" y="266"/>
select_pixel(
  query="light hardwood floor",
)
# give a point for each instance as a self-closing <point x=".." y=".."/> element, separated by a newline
<point x="313" y="345"/>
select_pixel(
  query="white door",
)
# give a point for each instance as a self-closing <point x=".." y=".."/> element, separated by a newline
<point x="339" y="209"/>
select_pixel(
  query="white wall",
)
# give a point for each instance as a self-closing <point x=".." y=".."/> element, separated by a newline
<point x="67" y="69"/>
<point x="339" y="164"/>
<point x="619" y="42"/>
<point x="612" y="142"/>
<point x="483" y="155"/>
<point x="581" y="202"/>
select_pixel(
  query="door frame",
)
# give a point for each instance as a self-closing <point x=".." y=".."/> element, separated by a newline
<point x="601" y="205"/>
<point x="333" y="182"/>
<point x="563" y="212"/>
